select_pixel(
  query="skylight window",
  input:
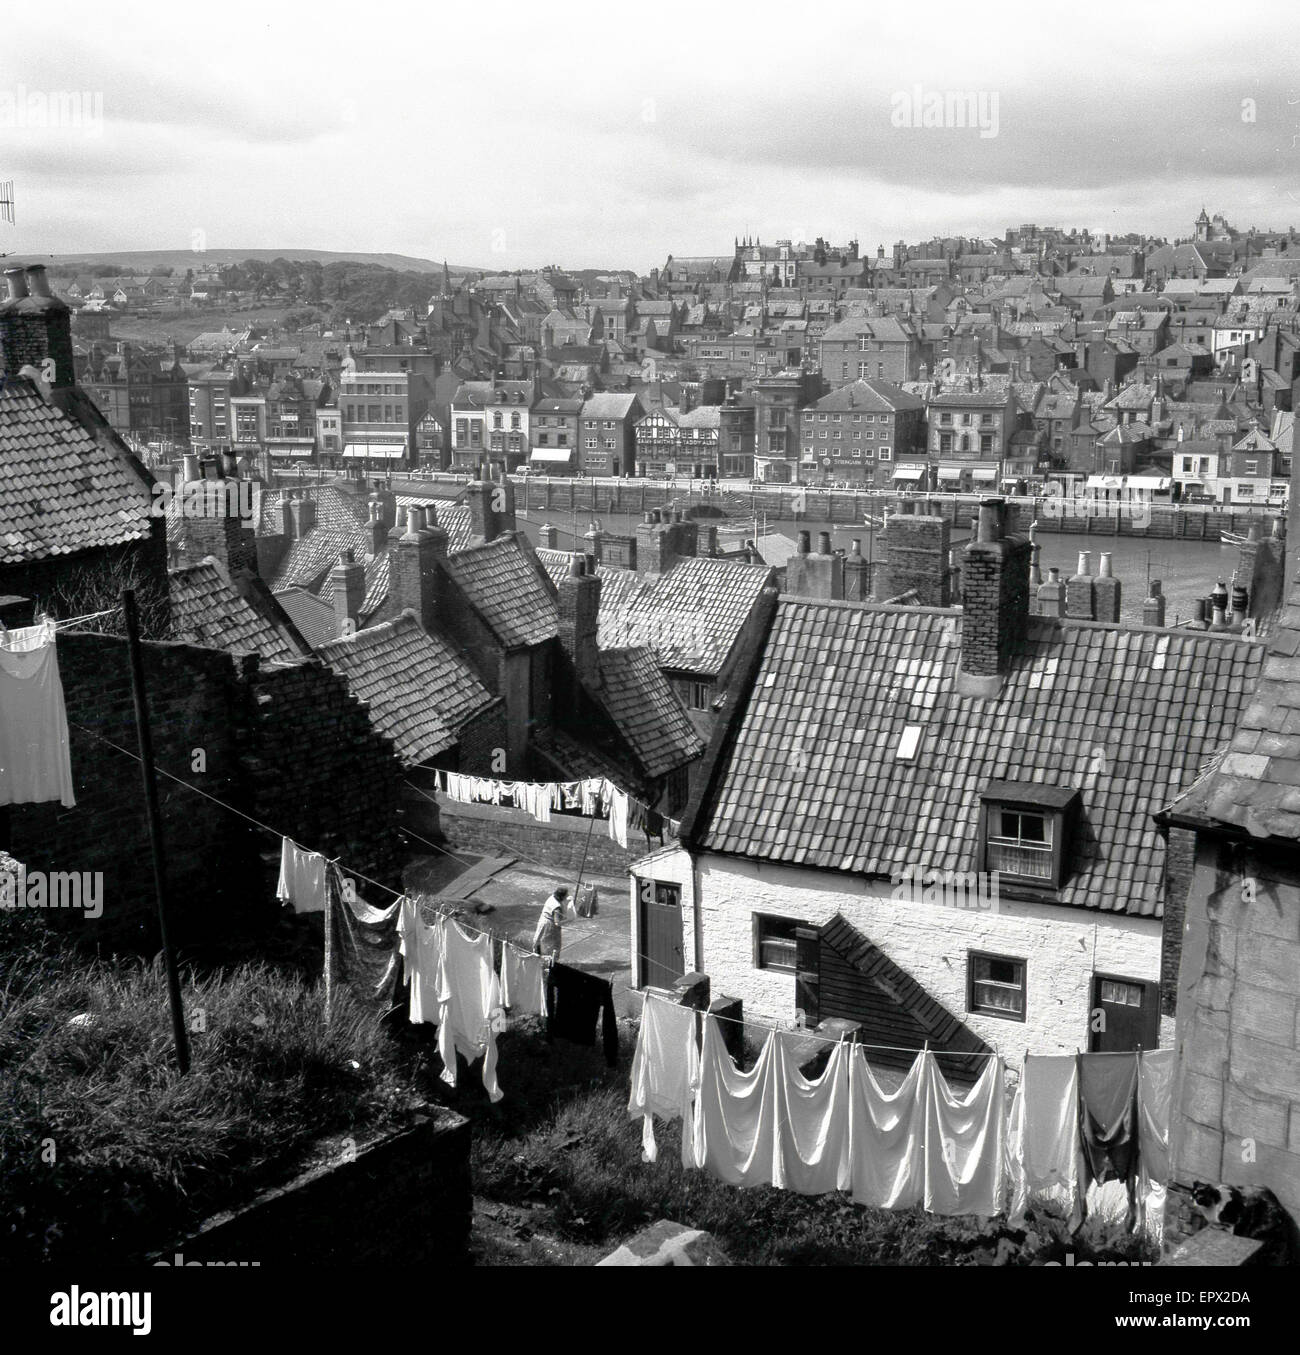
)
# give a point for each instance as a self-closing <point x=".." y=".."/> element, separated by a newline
<point x="909" y="743"/>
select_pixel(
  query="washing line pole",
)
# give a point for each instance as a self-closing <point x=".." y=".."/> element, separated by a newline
<point x="145" y="735"/>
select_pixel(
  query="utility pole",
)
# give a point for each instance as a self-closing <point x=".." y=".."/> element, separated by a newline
<point x="145" y="737"/>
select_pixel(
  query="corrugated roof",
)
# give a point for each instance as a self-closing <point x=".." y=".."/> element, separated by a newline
<point x="1126" y="715"/>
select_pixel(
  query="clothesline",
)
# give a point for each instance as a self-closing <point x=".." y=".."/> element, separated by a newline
<point x="266" y="828"/>
<point x="764" y="1024"/>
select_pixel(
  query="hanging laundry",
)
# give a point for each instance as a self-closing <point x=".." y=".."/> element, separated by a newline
<point x="523" y="982"/>
<point x="665" y="1073"/>
<point x="302" y="878"/>
<point x="574" y="1000"/>
<point x="35" y="761"/>
<point x="1108" y="1119"/>
<point x="420" y="946"/>
<point x="361" y="946"/>
<point x="469" y="1010"/>
<point x="618" y="811"/>
<point x="1044" y="1149"/>
<point x="735" y="1130"/>
<point x="887" y="1135"/>
<point x="964" y="1148"/>
<point x="591" y="796"/>
<point x="813" y="1122"/>
<point x="1155" y="1084"/>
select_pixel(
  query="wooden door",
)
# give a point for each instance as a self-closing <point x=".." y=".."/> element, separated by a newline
<point x="1130" y="1012"/>
<point x="661" y="961"/>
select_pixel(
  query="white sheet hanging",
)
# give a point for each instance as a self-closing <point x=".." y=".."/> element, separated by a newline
<point x="420" y="946"/>
<point x="665" y="1073"/>
<point x="35" y="762"/>
<point x="964" y="1148"/>
<point x="813" y="1122"/>
<point x="523" y="982"/>
<point x="1044" y="1156"/>
<point x="886" y="1136"/>
<point x="469" y="1005"/>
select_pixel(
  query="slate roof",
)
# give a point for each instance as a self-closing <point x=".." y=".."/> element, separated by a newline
<point x="208" y="609"/>
<point x="419" y="692"/>
<point x="507" y="591"/>
<point x="1127" y="715"/>
<point x="61" y="491"/>
<point x="1255" y="787"/>
<point x="647" y="713"/>
<point x="691" y="615"/>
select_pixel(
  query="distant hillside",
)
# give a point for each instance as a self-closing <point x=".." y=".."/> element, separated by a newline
<point x="142" y="260"/>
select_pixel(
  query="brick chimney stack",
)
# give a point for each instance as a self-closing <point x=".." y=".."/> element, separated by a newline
<point x="914" y="555"/>
<point x="818" y="574"/>
<point x="491" y="510"/>
<point x="1153" y="609"/>
<point x="376" y="531"/>
<point x="349" y="580"/>
<point x="548" y="537"/>
<point x="655" y="545"/>
<point x="1106" y="592"/>
<point x="303" y="514"/>
<point x="579" y="616"/>
<point x="1078" y="590"/>
<point x="416" y="575"/>
<point x="35" y="326"/>
<point x="995" y="601"/>
<point x="219" y="530"/>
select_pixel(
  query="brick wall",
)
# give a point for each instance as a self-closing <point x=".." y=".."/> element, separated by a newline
<point x="995" y="602"/>
<point x="498" y="830"/>
<point x="914" y="551"/>
<point x="1236" y="1098"/>
<point x="1180" y="863"/>
<point x="289" y="746"/>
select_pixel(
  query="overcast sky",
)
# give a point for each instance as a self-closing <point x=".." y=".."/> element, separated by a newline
<point x="609" y="135"/>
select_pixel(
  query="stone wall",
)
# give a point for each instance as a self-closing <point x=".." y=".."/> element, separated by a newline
<point x="404" y="1199"/>
<point x="1236" y="1096"/>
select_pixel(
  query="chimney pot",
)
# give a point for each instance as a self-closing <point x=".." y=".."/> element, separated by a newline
<point x="16" y="281"/>
<point x="823" y="543"/>
<point x="805" y="540"/>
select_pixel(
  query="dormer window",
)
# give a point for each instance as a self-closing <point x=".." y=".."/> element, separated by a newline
<point x="1025" y="829"/>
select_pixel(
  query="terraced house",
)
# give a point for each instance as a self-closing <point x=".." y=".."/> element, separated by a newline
<point x="939" y="822"/>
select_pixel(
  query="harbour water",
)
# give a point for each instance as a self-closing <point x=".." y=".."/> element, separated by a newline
<point x="1187" y="570"/>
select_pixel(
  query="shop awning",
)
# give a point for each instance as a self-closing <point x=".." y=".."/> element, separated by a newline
<point x="1105" y="482"/>
<point x="983" y="474"/>
<point x="552" y="454"/>
<point x="909" y="473"/>
<point x="390" y="451"/>
<point x="949" y="472"/>
<point x="1147" y="482"/>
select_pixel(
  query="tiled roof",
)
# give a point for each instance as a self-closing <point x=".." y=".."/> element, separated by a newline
<point x="690" y="616"/>
<point x="556" y="563"/>
<point x="1126" y="715"/>
<point x="340" y="526"/>
<point x="314" y="619"/>
<point x="61" y="491"/>
<point x="207" y="609"/>
<point x="647" y="713"/>
<point x="419" y="692"/>
<point x="507" y="591"/>
<point x="1256" y="785"/>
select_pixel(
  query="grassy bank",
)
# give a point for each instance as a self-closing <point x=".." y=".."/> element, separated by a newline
<point x="562" y="1158"/>
<point x="105" y="1148"/>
